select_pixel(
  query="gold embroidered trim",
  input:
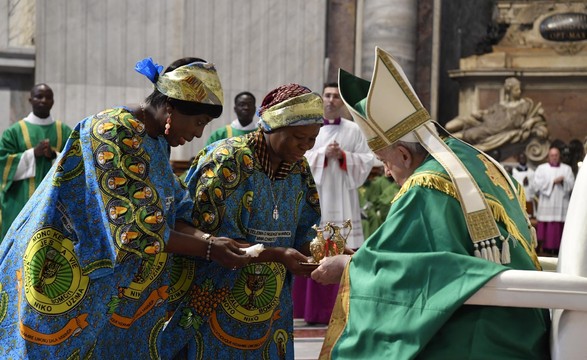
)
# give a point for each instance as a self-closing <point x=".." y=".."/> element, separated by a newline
<point x="376" y="143"/>
<point x="419" y="117"/>
<point x="6" y="172"/>
<point x="340" y="316"/>
<point x="25" y="134"/>
<point x="440" y="182"/>
<point x="481" y="224"/>
<point x="496" y="176"/>
<point x="406" y="125"/>
<point x="59" y="144"/>
<point x="306" y="106"/>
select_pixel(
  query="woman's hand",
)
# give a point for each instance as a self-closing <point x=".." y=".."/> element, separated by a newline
<point x="289" y="257"/>
<point x="292" y="258"/>
<point x="227" y="252"/>
<point x="187" y="240"/>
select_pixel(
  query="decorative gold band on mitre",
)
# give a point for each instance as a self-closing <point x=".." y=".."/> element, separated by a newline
<point x="369" y="103"/>
<point x="301" y="110"/>
<point x="411" y="122"/>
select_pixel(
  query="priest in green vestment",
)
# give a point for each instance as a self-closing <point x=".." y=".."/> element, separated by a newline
<point x="457" y="221"/>
<point x="244" y="108"/>
<point x="27" y="151"/>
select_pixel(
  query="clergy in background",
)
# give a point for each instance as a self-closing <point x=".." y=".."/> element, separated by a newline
<point x="553" y="183"/>
<point x="27" y="150"/>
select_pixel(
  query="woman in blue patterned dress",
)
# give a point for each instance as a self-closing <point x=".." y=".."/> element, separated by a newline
<point x="85" y="269"/>
<point x="257" y="188"/>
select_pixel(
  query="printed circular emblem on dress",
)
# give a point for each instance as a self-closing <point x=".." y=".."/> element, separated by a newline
<point x="228" y="173"/>
<point x="152" y="217"/>
<point x="247" y="163"/>
<point x="140" y="193"/>
<point x="104" y="157"/>
<point x="129" y="235"/>
<point x="206" y="212"/>
<point x="183" y="272"/>
<point x="218" y="194"/>
<point x="114" y="182"/>
<point x="313" y="197"/>
<point x="128" y="140"/>
<point x="136" y="166"/>
<point x="137" y="126"/>
<point x="256" y="292"/>
<point x="118" y="211"/>
<point x="222" y="153"/>
<point x="104" y="129"/>
<point x="54" y="283"/>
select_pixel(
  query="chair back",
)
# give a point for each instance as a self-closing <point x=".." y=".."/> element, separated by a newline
<point x="568" y="326"/>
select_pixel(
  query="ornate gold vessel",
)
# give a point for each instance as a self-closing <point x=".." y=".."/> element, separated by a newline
<point x="329" y="241"/>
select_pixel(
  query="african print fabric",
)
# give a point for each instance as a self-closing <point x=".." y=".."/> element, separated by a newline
<point x="83" y="272"/>
<point x="247" y="313"/>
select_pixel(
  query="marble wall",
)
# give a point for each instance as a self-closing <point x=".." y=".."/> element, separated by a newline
<point x="391" y="25"/>
<point x="21" y="23"/>
<point x="86" y="50"/>
<point x="17" y="59"/>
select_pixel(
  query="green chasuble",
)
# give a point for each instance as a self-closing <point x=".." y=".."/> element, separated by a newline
<point x="403" y="291"/>
<point x="226" y="132"/>
<point x="18" y="138"/>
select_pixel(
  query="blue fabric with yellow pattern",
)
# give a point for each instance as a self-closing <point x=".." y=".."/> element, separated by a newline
<point x="83" y="271"/>
<point x="248" y="313"/>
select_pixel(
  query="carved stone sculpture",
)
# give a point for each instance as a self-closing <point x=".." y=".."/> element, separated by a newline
<point x="515" y="119"/>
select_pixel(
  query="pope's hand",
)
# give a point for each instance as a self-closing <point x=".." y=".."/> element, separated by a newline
<point x="330" y="269"/>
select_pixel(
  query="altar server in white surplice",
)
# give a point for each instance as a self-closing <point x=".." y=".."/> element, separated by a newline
<point x="340" y="161"/>
<point x="553" y="183"/>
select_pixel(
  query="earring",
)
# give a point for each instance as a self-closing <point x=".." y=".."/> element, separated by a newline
<point x="168" y="124"/>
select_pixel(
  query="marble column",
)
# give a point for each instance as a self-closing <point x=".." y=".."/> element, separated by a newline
<point x="391" y="25"/>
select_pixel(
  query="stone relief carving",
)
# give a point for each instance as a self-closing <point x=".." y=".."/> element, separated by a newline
<point x="513" y="120"/>
<point x="544" y="24"/>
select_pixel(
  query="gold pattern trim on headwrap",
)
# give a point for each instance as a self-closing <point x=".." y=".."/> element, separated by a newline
<point x="195" y="82"/>
<point x="441" y="182"/>
<point x="304" y="109"/>
<point x="339" y="317"/>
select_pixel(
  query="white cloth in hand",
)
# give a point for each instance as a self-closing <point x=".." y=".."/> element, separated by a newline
<point x="255" y="250"/>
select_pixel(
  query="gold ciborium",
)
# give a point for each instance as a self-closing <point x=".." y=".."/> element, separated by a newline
<point x="329" y="241"/>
